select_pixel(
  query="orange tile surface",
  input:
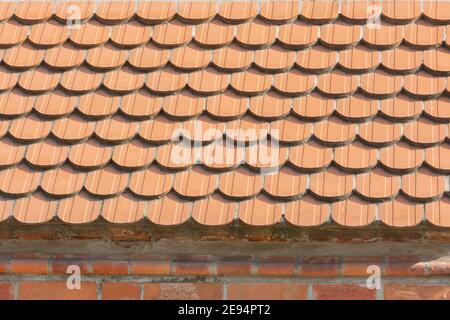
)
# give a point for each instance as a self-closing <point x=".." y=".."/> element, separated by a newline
<point x="260" y="112"/>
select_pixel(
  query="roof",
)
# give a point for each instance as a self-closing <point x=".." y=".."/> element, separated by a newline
<point x="324" y="117"/>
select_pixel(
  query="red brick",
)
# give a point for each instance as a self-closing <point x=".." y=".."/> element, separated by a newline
<point x="194" y="265"/>
<point x="109" y="267"/>
<point x="182" y="291"/>
<point x="357" y="266"/>
<point x="319" y="266"/>
<point x="343" y="292"/>
<point x="60" y="266"/>
<point x="33" y="266"/>
<point x="234" y="266"/>
<point x="404" y="266"/>
<point x="419" y="292"/>
<point x="150" y="267"/>
<point x="272" y="291"/>
<point x="6" y="291"/>
<point x="193" y="268"/>
<point x="120" y="291"/>
<point x="42" y="290"/>
<point x="276" y="266"/>
<point x="4" y="266"/>
<point x="29" y="234"/>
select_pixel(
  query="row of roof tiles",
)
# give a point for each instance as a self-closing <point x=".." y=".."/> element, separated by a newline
<point x="377" y="185"/>
<point x="142" y="105"/>
<point x="216" y="34"/>
<point x="316" y="60"/>
<point x="113" y="12"/>
<point x="377" y="132"/>
<point x="216" y="210"/>
<point x="309" y="157"/>
<point x="210" y="82"/>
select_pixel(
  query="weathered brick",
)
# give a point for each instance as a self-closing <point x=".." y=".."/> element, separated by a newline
<point x="276" y="266"/>
<point x="319" y="266"/>
<point x="182" y="291"/>
<point x="109" y="267"/>
<point x="194" y="265"/>
<point x="6" y="291"/>
<point x="413" y="292"/>
<point x="44" y="290"/>
<point x="343" y="292"/>
<point x="272" y="291"/>
<point x="3" y="265"/>
<point x="357" y="266"/>
<point x="234" y="266"/>
<point x="120" y="291"/>
<point x="60" y="266"/>
<point x="151" y="267"/>
<point x="33" y="266"/>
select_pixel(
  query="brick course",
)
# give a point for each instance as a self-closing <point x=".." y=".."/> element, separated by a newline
<point x="216" y="277"/>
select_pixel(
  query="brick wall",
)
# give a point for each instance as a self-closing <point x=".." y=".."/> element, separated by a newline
<point x="42" y="276"/>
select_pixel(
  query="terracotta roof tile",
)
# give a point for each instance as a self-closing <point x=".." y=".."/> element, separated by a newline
<point x="437" y="11"/>
<point x="48" y="34"/>
<point x="130" y="35"/>
<point x="320" y="11"/>
<point x="12" y="153"/>
<point x="12" y="33"/>
<point x="90" y="154"/>
<point x="353" y="212"/>
<point x="155" y="11"/>
<point x="255" y="34"/>
<point x="35" y="209"/>
<point x="297" y="112"/>
<point x="232" y="58"/>
<point x="62" y="181"/>
<point x="73" y="128"/>
<point x="260" y="211"/>
<point x="46" y="154"/>
<point x="15" y="103"/>
<point x="133" y="155"/>
<point x="163" y="182"/>
<point x="298" y="34"/>
<point x="148" y="58"/>
<point x="401" y="213"/>
<point x="401" y="11"/>
<point x="64" y="57"/>
<point x="8" y="79"/>
<point x="377" y="184"/>
<point x="331" y="184"/>
<point x="65" y="10"/>
<point x="185" y="104"/>
<point x="90" y="34"/>
<point x="106" y="182"/>
<point x="197" y="11"/>
<point x="401" y="157"/>
<point x="172" y="34"/>
<point x="385" y="36"/>
<point x="98" y="104"/>
<point x="271" y="106"/>
<point x="123" y="209"/>
<point x="213" y="211"/>
<point x="80" y="208"/>
<point x="355" y="156"/>
<point x="307" y="212"/>
<point x="34" y="11"/>
<point x="23" y="57"/>
<point x="115" y="12"/>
